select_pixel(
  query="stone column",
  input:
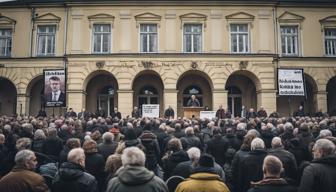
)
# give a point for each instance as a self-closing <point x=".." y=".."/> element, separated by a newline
<point x="321" y="101"/>
<point x="220" y="97"/>
<point x="76" y="100"/>
<point x="125" y="102"/>
<point x="170" y="98"/>
<point x="267" y="99"/>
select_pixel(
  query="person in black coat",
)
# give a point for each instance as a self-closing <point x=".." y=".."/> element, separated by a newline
<point x="169" y="113"/>
<point x="250" y="168"/>
<point x="94" y="162"/>
<point x="70" y="144"/>
<point x="72" y="176"/>
<point x="136" y="113"/>
<point x="174" y="156"/>
<point x="321" y="173"/>
<point x="251" y="114"/>
<point x="53" y="145"/>
<point x="287" y="159"/>
<point x="217" y="146"/>
<point x="108" y="147"/>
<point x="272" y="168"/>
<point x="115" y="113"/>
<point x="190" y="140"/>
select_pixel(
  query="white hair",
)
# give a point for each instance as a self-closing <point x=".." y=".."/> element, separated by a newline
<point x="325" y="133"/>
<point x="108" y="137"/>
<point x="189" y="131"/>
<point x="39" y="134"/>
<point x="23" y="156"/>
<point x="276" y="142"/>
<point x="133" y="156"/>
<point x="75" y="155"/>
<point x="257" y="143"/>
<point x="194" y="153"/>
<point x="288" y="125"/>
<point x="241" y="126"/>
<point x="325" y="146"/>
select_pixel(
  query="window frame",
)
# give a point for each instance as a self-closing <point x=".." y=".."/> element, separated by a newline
<point x="331" y="38"/>
<point x="7" y="53"/>
<point x="148" y="40"/>
<point x="201" y="25"/>
<point x="101" y="46"/>
<point x="46" y="34"/>
<point x="298" y="41"/>
<point x="248" y="38"/>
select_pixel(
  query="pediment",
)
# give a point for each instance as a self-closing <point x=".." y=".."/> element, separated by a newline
<point x="48" y="17"/>
<point x="101" y="16"/>
<point x="240" y="16"/>
<point x="290" y="17"/>
<point x="148" y="17"/>
<point x="197" y="16"/>
<point x="330" y="19"/>
<point x="6" y="20"/>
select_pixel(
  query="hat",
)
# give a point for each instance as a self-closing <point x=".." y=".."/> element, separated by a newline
<point x="206" y="160"/>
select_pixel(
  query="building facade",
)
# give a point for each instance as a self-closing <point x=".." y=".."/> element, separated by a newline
<point x="128" y="53"/>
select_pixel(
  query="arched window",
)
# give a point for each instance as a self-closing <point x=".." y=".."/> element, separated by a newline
<point x="192" y="90"/>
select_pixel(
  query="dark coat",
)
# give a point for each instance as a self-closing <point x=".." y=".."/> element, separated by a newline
<point x="169" y="162"/>
<point x="61" y="97"/>
<point x="38" y="145"/>
<point x="288" y="161"/>
<point x="169" y="113"/>
<point x="220" y="114"/>
<point x="152" y="152"/>
<point x="235" y="166"/>
<point x="136" y="114"/>
<point x="250" y="169"/>
<point x="217" y="147"/>
<point x="262" y="113"/>
<point x="22" y="180"/>
<point x="272" y="185"/>
<point x="106" y="149"/>
<point x="136" y="178"/>
<point x="190" y="141"/>
<point x="72" y="178"/>
<point x="95" y="164"/>
<point x="116" y="114"/>
<point x="52" y="147"/>
<point x="233" y="141"/>
<point x="319" y="175"/>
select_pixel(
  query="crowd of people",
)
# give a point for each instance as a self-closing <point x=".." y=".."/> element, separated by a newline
<point x="254" y="153"/>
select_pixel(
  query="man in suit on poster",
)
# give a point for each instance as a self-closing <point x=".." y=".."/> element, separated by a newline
<point x="56" y="95"/>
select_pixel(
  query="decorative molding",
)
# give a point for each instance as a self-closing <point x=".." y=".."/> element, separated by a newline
<point x="328" y="22"/>
<point x="243" y="65"/>
<point x="288" y="17"/>
<point x="6" y="22"/>
<point x="147" y="18"/>
<point x="240" y="17"/>
<point x="101" y="18"/>
<point x="193" y="18"/>
<point x="47" y="18"/>
<point x="194" y="65"/>
<point x="100" y="64"/>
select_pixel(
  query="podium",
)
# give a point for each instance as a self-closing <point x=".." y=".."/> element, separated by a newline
<point x="188" y="112"/>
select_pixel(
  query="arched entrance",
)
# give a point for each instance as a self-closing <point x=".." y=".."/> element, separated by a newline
<point x="8" y="96"/>
<point x="331" y="96"/>
<point x="35" y="91"/>
<point x="242" y="91"/>
<point x="194" y="83"/>
<point x="148" y="89"/>
<point x="101" y="92"/>
<point x="308" y="102"/>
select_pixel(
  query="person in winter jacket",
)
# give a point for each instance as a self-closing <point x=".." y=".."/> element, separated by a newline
<point x="133" y="176"/>
<point x="72" y="177"/>
<point x="204" y="178"/>
<point x="272" y="168"/>
<point x="321" y="173"/>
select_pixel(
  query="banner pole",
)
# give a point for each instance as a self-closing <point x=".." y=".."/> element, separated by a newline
<point x="289" y="106"/>
<point x="53" y="111"/>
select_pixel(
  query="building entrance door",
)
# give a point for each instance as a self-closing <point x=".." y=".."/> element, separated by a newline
<point x="234" y="101"/>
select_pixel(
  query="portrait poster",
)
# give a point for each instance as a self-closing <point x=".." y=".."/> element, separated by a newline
<point x="54" y="88"/>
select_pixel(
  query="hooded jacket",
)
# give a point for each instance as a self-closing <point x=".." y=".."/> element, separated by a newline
<point x="319" y="175"/>
<point x="136" y="178"/>
<point x="202" y="181"/>
<point x="72" y="178"/>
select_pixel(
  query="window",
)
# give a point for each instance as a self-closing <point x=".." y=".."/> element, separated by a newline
<point x="192" y="38"/>
<point x="239" y="38"/>
<point x="46" y="40"/>
<point x="5" y="42"/>
<point x="101" y="38"/>
<point x="330" y="41"/>
<point x="289" y="40"/>
<point x="148" y="38"/>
